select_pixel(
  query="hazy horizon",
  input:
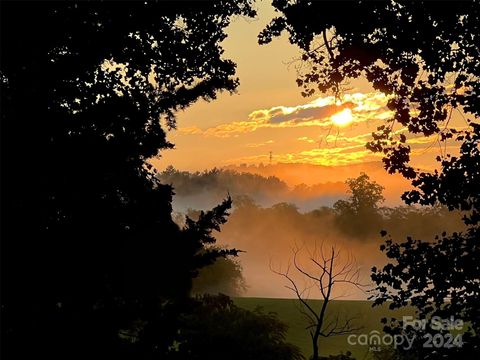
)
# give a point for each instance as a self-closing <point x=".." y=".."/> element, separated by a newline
<point x="270" y="215"/>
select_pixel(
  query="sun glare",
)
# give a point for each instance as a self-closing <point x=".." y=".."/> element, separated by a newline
<point x="342" y="118"/>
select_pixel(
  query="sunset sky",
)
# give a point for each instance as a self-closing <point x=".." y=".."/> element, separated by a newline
<point x="268" y="114"/>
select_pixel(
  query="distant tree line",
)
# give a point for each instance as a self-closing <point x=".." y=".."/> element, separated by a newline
<point x="221" y="181"/>
<point x="360" y="215"/>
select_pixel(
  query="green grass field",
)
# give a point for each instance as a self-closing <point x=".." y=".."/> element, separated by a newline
<point x="287" y="310"/>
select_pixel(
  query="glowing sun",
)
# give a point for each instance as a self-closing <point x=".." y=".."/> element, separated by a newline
<point x="342" y="118"/>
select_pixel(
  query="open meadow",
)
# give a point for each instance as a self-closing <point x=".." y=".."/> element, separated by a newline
<point x="288" y="311"/>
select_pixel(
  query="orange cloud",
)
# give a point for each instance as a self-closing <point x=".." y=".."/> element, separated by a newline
<point x="190" y="130"/>
<point x="256" y="145"/>
<point x="306" y="139"/>
<point x="317" y="113"/>
<point x="320" y="156"/>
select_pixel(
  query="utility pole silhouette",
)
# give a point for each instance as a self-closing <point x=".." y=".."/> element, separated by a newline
<point x="271" y="157"/>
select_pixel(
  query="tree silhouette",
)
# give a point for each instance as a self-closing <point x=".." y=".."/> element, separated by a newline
<point x="424" y="55"/>
<point x="328" y="271"/>
<point x="89" y="248"/>
<point x="223" y="276"/>
<point x="366" y="195"/>
<point x="406" y="49"/>
<point x="359" y="214"/>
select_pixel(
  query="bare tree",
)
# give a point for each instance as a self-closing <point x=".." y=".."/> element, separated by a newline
<point x="326" y="273"/>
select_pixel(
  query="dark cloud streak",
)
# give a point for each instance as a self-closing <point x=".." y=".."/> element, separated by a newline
<point x="310" y="113"/>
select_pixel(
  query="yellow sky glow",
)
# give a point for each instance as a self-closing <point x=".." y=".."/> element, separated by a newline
<point x="269" y="116"/>
<point x="342" y="118"/>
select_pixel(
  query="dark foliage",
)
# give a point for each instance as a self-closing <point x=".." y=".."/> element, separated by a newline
<point x="223" y="276"/>
<point x="89" y="247"/>
<point x="220" y="330"/>
<point x="439" y="279"/>
<point x="424" y="55"/>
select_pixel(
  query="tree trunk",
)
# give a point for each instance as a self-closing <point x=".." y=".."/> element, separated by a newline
<point x="315" y="346"/>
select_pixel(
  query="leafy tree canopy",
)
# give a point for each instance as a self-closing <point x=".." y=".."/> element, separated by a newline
<point x="359" y="214"/>
<point x="89" y="246"/>
<point x="424" y="56"/>
<point x="365" y="194"/>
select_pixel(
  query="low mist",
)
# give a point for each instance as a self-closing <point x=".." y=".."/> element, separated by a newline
<point x="271" y="218"/>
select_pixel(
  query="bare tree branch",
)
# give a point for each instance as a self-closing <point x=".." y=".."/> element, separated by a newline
<point x="325" y="276"/>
